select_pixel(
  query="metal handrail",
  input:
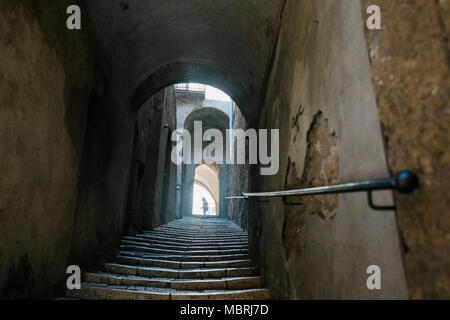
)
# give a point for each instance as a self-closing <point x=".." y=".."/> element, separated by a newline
<point x="404" y="182"/>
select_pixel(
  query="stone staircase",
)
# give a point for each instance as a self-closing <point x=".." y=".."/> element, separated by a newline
<point x="188" y="259"/>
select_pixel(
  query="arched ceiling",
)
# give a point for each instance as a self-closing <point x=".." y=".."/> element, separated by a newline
<point x="155" y="43"/>
<point x="211" y="118"/>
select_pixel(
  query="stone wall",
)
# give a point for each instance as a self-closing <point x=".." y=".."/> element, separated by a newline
<point x="105" y="180"/>
<point x="166" y="170"/>
<point x="238" y="179"/>
<point x="320" y="96"/>
<point x="47" y="77"/>
<point x="146" y="182"/>
<point x="410" y="73"/>
<point x="150" y="114"/>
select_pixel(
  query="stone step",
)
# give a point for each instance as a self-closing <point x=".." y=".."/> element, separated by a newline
<point x="167" y="242"/>
<point x="182" y="247"/>
<point x="198" y="233"/>
<point x="163" y="239"/>
<point x="186" y="240"/>
<point x="194" y="226"/>
<point x="201" y="226"/>
<point x="183" y="252"/>
<point x="195" y="235"/>
<point x="204" y="229"/>
<point x="201" y="273"/>
<point x="182" y="264"/>
<point x="105" y="292"/>
<point x="183" y="239"/>
<point x="184" y="257"/>
<point x="230" y="283"/>
<point x="187" y="259"/>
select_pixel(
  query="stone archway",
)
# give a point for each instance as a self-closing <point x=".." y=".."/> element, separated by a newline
<point x="212" y="118"/>
<point x="207" y="176"/>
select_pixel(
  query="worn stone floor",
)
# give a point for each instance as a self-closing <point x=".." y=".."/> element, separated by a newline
<point x="188" y="259"/>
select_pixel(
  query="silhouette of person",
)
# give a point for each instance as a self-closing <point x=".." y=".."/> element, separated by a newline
<point x="205" y="206"/>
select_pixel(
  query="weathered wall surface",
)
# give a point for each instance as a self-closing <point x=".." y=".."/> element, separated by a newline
<point x="223" y="187"/>
<point x="46" y="81"/>
<point x="238" y="178"/>
<point x="145" y="187"/>
<point x="187" y="180"/>
<point x="105" y="183"/>
<point x="410" y="72"/>
<point x="101" y="202"/>
<point x="145" y="154"/>
<point x="164" y="209"/>
<point x="321" y="98"/>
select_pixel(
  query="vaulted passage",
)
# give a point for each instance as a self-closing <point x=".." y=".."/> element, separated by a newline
<point x="108" y="132"/>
